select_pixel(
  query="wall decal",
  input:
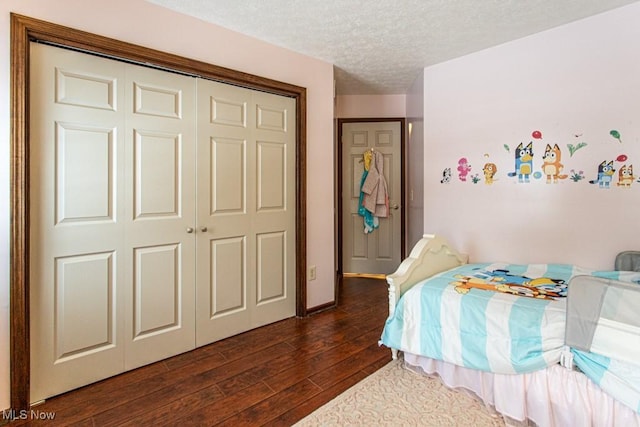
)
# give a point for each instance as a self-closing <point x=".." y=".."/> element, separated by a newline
<point x="446" y="176"/>
<point x="463" y="168"/>
<point x="573" y="148"/>
<point x="625" y="176"/>
<point x="605" y="175"/>
<point x="576" y="176"/>
<point x="489" y="170"/>
<point x="524" y="162"/>
<point x="615" y="172"/>
<point x="614" y="133"/>
<point x="551" y="164"/>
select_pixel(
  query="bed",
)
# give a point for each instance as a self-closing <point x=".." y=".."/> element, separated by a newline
<point x="541" y="344"/>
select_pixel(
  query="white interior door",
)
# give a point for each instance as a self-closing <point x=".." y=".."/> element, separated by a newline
<point x="246" y="210"/>
<point x="159" y="221"/>
<point x="377" y="252"/>
<point x="163" y="215"/>
<point x="112" y="192"/>
<point x="77" y="257"/>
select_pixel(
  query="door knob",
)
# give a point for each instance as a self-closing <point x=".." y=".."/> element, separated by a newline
<point x="189" y="230"/>
<point x="395" y="207"/>
<point x="203" y="229"/>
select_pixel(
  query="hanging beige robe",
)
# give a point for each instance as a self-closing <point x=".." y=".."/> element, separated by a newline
<point x="376" y="197"/>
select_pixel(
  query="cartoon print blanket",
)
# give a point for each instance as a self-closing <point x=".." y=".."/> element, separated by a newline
<point x="517" y="326"/>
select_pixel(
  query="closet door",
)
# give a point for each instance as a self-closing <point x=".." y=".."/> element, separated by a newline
<point x="274" y="230"/>
<point x="77" y="264"/>
<point x="246" y="210"/>
<point x="159" y="224"/>
<point x="147" y="240"/>
<point x="112" y="197"/>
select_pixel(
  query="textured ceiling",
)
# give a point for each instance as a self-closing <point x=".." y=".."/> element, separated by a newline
<point x="380" y="46"/>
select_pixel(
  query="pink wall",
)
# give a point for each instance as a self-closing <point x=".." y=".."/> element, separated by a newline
<point x="415" y="166"/>
<point x="142" y="23"/>
<point x="370" y="106"/>
<point x="575" y="84"/>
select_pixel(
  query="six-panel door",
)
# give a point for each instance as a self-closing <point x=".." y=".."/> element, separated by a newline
<point x="151" y="222"/>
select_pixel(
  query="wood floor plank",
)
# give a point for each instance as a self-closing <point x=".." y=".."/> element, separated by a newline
<point x="273" y="407"/>
<point x="349" y="366"/>
<point x="325" y="361"/>
<point x="274" y="375"/>
<point x="220" y="410"/>
<point x="169" y="414"/>
<point x="294" y="415"/>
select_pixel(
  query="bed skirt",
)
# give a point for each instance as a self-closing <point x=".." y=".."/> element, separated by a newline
<point x="553" y="397"/>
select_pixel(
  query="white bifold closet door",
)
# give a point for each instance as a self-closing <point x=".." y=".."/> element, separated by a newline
<point x="246" y="256"/>
<point x="146" y="238"/>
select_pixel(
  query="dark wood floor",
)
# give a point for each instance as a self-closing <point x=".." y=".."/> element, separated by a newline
<point x="274" y="375"/>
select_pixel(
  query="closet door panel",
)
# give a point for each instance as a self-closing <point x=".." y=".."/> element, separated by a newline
<point x="226" y="184"/>
<point x="76" y="235"/>
<point x="228" y="278"/>
<point x="160" y="224"/>
<point x="246" y="198"/>
<point x="274" y="209"/>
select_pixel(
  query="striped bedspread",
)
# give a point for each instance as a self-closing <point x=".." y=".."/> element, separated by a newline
<point x="619" y="379"/>
<point x="457" y="317"/>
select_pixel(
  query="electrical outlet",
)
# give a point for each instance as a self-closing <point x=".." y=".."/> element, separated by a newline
<point x="312" y="272"/>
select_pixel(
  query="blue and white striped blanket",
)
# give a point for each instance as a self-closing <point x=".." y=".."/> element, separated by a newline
<point x="491" y="331"/>
<point x="620" y="379"/>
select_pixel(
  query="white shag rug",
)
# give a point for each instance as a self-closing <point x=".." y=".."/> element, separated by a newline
<point x="394" y="395"/>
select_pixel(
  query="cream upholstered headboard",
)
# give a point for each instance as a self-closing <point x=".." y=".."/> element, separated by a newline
<point x="431" y="255"/>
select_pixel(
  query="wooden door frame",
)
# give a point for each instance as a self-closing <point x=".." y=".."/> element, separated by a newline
<point x="339" y="166"/>
<point x="25" y="30"/>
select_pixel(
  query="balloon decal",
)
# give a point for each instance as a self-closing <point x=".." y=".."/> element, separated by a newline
<point x="536" y="134"/>
<point x="622" y="158"/>
<point x="614" y="133"/>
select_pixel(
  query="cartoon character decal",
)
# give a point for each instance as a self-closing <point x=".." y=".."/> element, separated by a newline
<point x="551" y="165"/>
<point x="605" y="175"/>
<point x="524" y="162"/>
<point x="489" y="170"/>
<point x="446" y="176"/>
<point x="502" y="281"/>
<point x="625" y="176"/>
<point x="463" y="168"/>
